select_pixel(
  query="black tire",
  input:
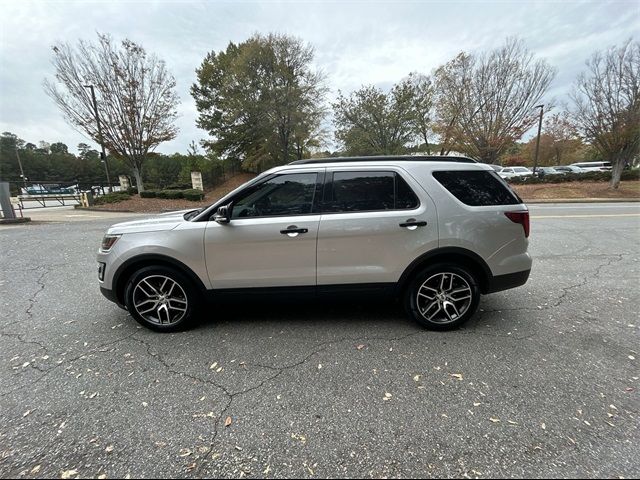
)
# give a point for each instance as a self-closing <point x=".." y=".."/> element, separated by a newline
<point x="183" y="295"/>
<point x="457" y="312"/>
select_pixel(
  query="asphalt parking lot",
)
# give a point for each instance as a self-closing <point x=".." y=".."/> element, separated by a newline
<point x="542" y="382"/>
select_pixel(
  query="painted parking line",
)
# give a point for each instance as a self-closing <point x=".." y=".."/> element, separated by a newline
<point x="585" y="207"/>
<point x="589" y="216"/>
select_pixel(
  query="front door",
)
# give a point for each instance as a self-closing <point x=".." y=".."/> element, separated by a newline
<point x="271" y="238"/>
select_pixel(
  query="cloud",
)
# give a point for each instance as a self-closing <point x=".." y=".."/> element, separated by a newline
<point x="356" y="42"/>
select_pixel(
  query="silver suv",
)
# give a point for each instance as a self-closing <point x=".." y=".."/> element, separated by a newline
<point x="435" y="232"/>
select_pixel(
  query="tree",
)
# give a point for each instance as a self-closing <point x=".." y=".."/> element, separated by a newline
<point x="58" y="147"/>
<point x="372" y="122"/>
<point x="9" y="145"/>
<point x="488" y="100"/>
<point x="136" y="96"/>
<point x="261" y="101"/>
<point x="564" y="137"/>
<point x="86" y="152"/>
<point x="422" y="110"/>
<point x="606" y="105"/>
<point x="453" y="92"/>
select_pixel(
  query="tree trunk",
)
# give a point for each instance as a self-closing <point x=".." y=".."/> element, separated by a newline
<point x="426" y="143"/>
<point x="428" y="146"/>
<point x="137" y="174"/>
<point x="489" y="157"/>
<point x="616" y="172"/>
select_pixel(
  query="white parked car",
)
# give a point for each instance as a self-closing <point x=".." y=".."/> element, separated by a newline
<point x="593" y="166"/>
<point x="510" y="172"/>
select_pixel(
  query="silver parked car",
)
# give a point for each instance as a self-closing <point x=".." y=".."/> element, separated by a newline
<point x="435" y="232"/>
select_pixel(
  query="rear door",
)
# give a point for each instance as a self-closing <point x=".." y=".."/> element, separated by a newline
<point x="373" y="225"/>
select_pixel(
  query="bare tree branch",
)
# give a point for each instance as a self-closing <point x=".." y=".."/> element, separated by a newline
<point x="606" y="105"/>
<point x="486" y="103"/>
<point x="136" y="96"/>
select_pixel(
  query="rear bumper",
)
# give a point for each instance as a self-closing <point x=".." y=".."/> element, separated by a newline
<point x="505" y="282"/>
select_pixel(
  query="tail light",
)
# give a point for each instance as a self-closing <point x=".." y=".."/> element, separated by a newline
<point x="520" y="217"/>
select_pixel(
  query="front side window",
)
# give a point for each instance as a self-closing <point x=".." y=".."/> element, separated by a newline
<point x="368" y="191"/>
<point x="284" y="195"/>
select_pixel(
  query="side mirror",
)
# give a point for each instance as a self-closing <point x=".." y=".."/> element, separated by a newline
<point x="223" y="214"/>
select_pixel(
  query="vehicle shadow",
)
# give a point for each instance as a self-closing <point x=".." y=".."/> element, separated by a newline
<point x="294" y="311"/>
<point x="355" y="311"/>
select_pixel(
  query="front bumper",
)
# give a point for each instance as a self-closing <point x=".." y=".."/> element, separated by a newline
<point x="111" y="296"/>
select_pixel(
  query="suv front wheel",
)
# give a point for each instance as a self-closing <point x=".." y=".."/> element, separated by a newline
<point x="442" y="297"/>
<point x="161" y="298"/>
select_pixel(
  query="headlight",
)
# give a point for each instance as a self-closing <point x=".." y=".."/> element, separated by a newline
<point x="109" y="241"/>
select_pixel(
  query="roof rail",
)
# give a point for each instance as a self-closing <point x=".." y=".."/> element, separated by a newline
<point x="387" y="158"/>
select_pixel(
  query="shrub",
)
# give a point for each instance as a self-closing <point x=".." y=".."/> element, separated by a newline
<point x="132" y="190"/>
<point x="148" y="194"/>
<point x="193" y="194"/>
<point x="633" y="174"/>
<point x="112" y="198"/>
<point x="169" y="194"/>
<point x="178" y="186"/>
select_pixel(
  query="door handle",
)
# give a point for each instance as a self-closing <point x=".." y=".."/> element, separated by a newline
<point x="293" y="231"/>
<point x="412" y="224"/>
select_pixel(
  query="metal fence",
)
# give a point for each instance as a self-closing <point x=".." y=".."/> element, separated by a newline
<point x="47" y="193"/>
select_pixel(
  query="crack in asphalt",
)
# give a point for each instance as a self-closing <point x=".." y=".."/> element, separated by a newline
<point x="279" y="370"/>
<point x="585" y="280"/>
<point x="66" y="363"/>
<point x="20" y="336"/>
<point x="32" y="299"/>
<point x="618" y="257"/>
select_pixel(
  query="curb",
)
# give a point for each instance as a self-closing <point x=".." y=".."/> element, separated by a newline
<point x="91" y="209"/>
<point x="582" y="200"/>
<point x="13" y="221"/>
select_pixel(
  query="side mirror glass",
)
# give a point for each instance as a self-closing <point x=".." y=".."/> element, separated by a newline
<point x="223" y="214"/>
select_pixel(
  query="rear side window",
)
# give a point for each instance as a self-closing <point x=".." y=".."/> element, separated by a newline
<point x="368" y="191"/>
<point x="477" y="188"/>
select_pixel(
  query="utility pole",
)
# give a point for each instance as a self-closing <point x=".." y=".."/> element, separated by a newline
<point x="535" y="162"/>
<point x="24" y="179"/>
<point x="103" y="155"/>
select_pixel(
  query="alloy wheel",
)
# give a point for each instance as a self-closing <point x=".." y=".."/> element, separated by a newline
<point x="160" y="300"/>
<point x="444" y="297"/>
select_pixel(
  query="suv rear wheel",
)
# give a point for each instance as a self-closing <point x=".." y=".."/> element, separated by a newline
<point x="161" y="298"/>
<point x="442" y="297"/>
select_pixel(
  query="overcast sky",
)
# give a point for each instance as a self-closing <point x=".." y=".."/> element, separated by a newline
<point x="356" y="42"/>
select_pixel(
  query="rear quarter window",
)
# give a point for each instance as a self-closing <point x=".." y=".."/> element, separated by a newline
<point x="477" y="188"/>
